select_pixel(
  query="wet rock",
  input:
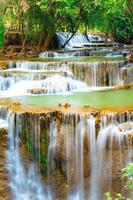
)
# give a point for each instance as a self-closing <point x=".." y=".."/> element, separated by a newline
<point x="87" y="106"/>
<point x="59" y="105"/>
<point x="67" y="105"/>
<point x="130" y="86"/>
<point x="37" y="91"/>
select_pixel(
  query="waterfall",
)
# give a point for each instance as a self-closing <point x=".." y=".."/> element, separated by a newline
<point x="52" y="145"/>
<point x="12" y="83"/>
<point x="45" y="77"/>
<point x="3" y="116"/>
<point x="73" y="131"/>
<point x="76" y="150"/>
<point x="60" y="84"/>
<point x="94" y="74"/>
<point x="27" y="65"/>
<point x="111" y="142"/>
<point x="6" y="82"/>
<point x="3" y="112"/>
<point x="78" y="40"/>
<point x="94" y="187"/>
<point x="22" y="88"/>
<point x="69" y="54"/>
<point x="110" y="152"/>
<point x="97" y="74"/>
<point x="48" y="54"/>
<point x="94" y="38"/>
<point x="24" y="184"/>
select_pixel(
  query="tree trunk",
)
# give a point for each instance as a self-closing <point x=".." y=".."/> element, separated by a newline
<point x="48" y="39"/>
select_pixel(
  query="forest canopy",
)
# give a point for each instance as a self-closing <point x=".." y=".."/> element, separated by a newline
<point x="38" y="20"/>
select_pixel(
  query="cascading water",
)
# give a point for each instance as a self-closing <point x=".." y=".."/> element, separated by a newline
<point x="48" y="54"/>
<point x="112" y="141"/>
<point x="94" y="38"/>
<point x="88" y="161"/>
<point x="69" y="54"/>
<point x="60" y="84"/>
<point x="78" y="40"/>
<point x="41" y="81"/>
<point x="6" y="82"/>
<point x="45" y="77"/>
<point x="95" y="74"/>
<point x="3" y="112"/>
<point x="76" y="154"/>
<point x="67" y="157"/>
<point x="71" y="153"/>
<point x="17" y="83"/>
<point x="24" y="184"/>
<point x="3" y="116"/>
<point x="99" y="74"/>
<point x="94" y="189"/>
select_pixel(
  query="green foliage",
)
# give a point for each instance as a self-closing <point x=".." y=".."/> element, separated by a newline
<point x="1" y="28"/>
<point x="118" y="196"/>
<point x="29" y="146"/>
<point x="1" y="35"/>
<point x="108" y="196"/>
<point x="43" y="161"/>
<point x="117" y="18"/>
<point x="40" y="19"/>
<point x="127" y="174"/>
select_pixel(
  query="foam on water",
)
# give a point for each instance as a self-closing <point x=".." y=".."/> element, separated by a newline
<point x="60" y="84"/>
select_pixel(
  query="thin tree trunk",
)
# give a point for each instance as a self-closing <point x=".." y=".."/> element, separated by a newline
<point x="23" y="45"/>
<point x="48" y="39"/>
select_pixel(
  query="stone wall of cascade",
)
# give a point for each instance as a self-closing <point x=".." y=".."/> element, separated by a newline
<point x="67" y="148"/>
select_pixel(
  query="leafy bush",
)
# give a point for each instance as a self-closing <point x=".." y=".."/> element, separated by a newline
<point x="127" y="174"/>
